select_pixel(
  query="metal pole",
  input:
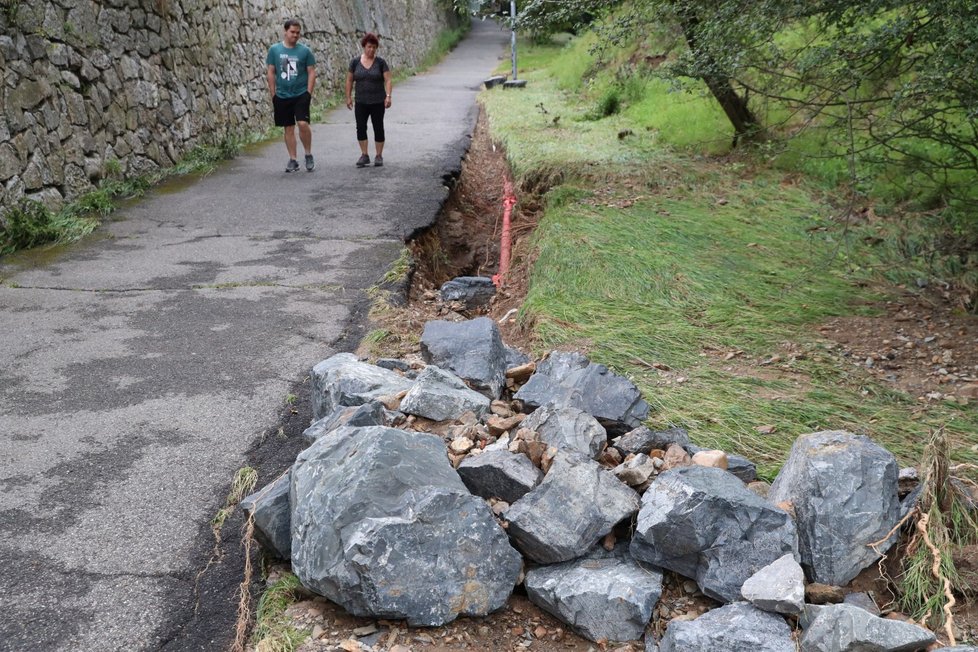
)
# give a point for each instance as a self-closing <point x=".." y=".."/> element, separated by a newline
<point x="512" y="18"/>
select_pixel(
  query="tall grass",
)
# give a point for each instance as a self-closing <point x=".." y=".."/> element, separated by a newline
<point x="701" y="278"/>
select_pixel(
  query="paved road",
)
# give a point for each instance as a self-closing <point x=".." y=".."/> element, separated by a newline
<point x="139" y="369"/>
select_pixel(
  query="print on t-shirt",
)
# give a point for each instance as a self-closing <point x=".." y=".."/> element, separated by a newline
<point x="289" y="66"/>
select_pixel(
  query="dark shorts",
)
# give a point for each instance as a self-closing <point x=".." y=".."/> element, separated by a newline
<point x="289" y="110"/>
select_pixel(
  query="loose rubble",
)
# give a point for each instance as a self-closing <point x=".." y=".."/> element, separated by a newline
<point x="432" y="491"/>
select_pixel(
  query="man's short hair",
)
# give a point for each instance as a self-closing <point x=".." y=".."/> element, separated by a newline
<point x="292" y="22"/>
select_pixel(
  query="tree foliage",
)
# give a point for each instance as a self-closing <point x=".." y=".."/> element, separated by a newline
<point x="900" y="76"/>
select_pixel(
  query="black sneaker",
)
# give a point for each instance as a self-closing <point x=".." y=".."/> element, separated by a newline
<point x="378" y="161"/>
<point x="310" y="163"/>
<point x="292" y="165"/>
<point x="363" y="161"/>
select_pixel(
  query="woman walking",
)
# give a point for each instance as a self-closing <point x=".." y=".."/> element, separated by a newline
<point x="373" y="96"/>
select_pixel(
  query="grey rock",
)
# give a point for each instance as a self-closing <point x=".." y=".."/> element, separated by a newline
<point x="636" y="471"/>
<point x="393" y="364"/>
<point x="571" y="380"/>
<point x="472" y="350"/>
<point x="863" y="601"/>
<point x="737" y="627"/>
<point x="342" y="380"/>
<point x="515" y="357"/>
<point x="383" y="526"/>
<point x="441" y="395"/>
<point x="473" y="291"/>
<point x="705" y="524"/>
<point x="269" y="508"/>
<point x="644" y="440"/>
<point x="568" y="428"/>
<point x="494" y="80"/>
<point x="577" y="503"/>
<point x="604" y="595"/>
<point x="499" y="474"/>
<point x="778" y="587"/>
<point x="371" y="413"/>
<point x="957" y="648"/>
<point x="843" y="488"/>
<point x="846" y="628"/>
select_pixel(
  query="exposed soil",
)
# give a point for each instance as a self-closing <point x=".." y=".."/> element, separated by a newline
<point x="920" y="344"/>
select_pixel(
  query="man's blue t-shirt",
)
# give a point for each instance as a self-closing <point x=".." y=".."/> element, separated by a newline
<point x="291" y="76"/>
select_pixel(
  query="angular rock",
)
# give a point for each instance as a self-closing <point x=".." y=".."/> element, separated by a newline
<point x="499" y="474"/>
<point x="571" y="380"/>
<point x="778" y="587"/>
<point x="644" y="440"/>
<point x="269" y="507"/>
<point x="342" y="380"/>
<point x="957" y="648"/>
<point x="604" y="595"/>
<point x="846" y="628"/>
<point x="843" y="489"/>
<point x="441" y="395"/>
<point x="473" y="291"/>
<point x="863" y="601"/>
<point x="371" y="413"/>
<point x="569" y="429"/>
<point x="577" y="503"/>
<point x="472" y="350"/>
<point x="636" y="471"/>
<point x="705" y="524"/>
<point x="737" y="627"/>
<point x="383" y="526"/>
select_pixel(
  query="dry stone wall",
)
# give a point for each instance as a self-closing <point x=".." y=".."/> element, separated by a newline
<point x="92" y="88"/>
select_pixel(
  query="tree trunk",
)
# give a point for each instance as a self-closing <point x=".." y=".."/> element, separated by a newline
<point x="745" y="124"/>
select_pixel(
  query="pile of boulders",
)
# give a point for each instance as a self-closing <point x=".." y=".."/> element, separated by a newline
<point x="432" y="489"/>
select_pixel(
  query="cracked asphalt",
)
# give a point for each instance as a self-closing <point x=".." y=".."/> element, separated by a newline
<point x="140" y="368"/>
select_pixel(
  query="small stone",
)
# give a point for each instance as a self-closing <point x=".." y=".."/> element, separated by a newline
<point x="366" y="630"/>
<point x="540" y="631"/>
<point x="318" y="631"/>
<point x="823" y="594"/>
<point x="690" y="587"/>
<point x="759" y="487"/>
<point x="461" y="445"/>
<point x="608" y="543"/>
<point x="501" y="409"/>
<point x="713" y="458"/>
<point x="675" y="456"/>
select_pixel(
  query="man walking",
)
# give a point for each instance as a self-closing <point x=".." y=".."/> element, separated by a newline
<point x="291" y="75"/>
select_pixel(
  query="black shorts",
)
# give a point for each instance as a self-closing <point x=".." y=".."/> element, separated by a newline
<point x="289" y="110"/>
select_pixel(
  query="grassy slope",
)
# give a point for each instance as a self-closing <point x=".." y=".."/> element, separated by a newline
<point x="653" y="252"/>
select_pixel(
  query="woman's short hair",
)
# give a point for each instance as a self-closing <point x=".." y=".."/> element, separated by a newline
<point x="369" y="37"/>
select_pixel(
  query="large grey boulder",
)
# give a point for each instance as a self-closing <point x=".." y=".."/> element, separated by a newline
<point x="843" y="489"/>
<point x="383" y="526"/>
<point x="705" y="524"/>
<point x="499" y="473"/>
<point x="342" y="380"/>
<point x="778" y="587"/>
<point x="571" y="380"/>
<point x="269" y="509"/>
<point x="847" y="628"/>
<point x="568" y="428"/>
<point x="472" y="350"/>
<point x="372" y="413"/>
<point x="604" y="595"/>
<point x="577" y="503"/>
<point x="440" y="395"/>
<point x="737" y="627"/>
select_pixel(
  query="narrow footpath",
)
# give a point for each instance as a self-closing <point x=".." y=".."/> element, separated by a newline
<point x="141" y="368"/>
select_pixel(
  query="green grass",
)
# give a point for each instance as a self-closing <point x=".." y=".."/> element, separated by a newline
<point x="650" y="251"/>
<point x="273" y="630"/>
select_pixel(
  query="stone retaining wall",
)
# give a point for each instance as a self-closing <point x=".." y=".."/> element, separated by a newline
<point x="120" y="87"/>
